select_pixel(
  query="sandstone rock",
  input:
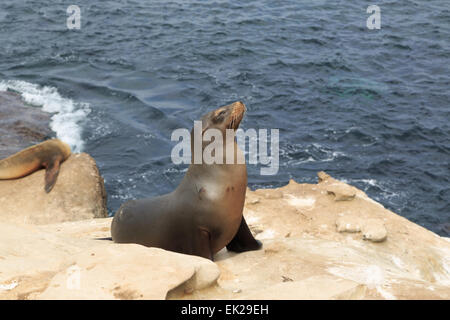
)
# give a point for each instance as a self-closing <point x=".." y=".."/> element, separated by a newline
<point x="273" y="194"/>
<point x="374" y="230"/>
<point x="341" y="191"/>
<point x="130" y="271"/>
<point x="79" y="194"/>
<point x="412" y="263"/>
<point x="48" y="262"/>
<point x="303" y="256"/>
<point x="312" y="288"/>
<point x="251" y="198"/>
<point x="323" y="176"/>
<point x="348" y="224"/>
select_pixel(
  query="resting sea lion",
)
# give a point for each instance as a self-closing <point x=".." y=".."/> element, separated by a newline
<point x="48" y="154"/>
<point x="204" y="213"/>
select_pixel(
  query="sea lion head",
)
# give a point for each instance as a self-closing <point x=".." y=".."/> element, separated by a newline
<point x="64" y="147"/>
<point x="226" y="117"/>
<point x="66" y="150"/>
<point x="220" y="123"/>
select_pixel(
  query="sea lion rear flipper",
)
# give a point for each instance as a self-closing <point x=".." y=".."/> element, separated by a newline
<point x="244" y="240"/>
<point x="51" y="174"/>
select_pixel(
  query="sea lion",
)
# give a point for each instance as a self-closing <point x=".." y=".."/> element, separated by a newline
<point x="48" y="154"/>
<point x="204" y="213"/>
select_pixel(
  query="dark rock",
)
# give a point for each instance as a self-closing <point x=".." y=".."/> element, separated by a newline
<point x="20" y="125"/>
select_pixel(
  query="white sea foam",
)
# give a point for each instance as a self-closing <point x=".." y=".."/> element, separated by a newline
<point x="67" y="114"/>
<point x="326" y="155"/>
<point x="386" y="193"/>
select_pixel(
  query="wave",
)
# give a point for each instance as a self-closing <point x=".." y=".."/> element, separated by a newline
<point x="380" y="191"/>
<point x="296" y="154"/>
<point x="68" y="115"/>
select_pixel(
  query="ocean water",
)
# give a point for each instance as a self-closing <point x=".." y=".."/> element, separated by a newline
<point x="370" y="107"/>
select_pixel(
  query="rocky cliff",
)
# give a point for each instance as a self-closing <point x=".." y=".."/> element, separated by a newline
<point x="79" y="193"/>
<point x="321" y="241"/>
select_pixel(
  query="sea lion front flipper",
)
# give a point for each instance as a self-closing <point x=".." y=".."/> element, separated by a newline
<point x="203" y="245"/>
<point x="51" y="174"/>
<point x="244" y="240"/>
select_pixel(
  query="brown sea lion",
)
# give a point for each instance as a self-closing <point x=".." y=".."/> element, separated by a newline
<point x="48" y="154"/>
<point x="204" y="213"/>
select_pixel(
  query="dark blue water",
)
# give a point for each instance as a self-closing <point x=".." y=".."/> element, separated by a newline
<point x="370" y="107"/>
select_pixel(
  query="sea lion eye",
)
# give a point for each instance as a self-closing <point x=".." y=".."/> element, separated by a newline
<point x="219" y="116"/>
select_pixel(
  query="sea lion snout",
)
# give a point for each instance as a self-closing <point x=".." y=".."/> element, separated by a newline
<point x="237" y="114"/>
<point x="239" y="106"/>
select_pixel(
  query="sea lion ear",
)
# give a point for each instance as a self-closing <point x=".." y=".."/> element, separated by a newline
<point x="51" y="174"/>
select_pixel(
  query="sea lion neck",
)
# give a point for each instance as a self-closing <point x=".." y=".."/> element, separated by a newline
<point x="213" y="139"/>
<point x="200" y="174"/>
